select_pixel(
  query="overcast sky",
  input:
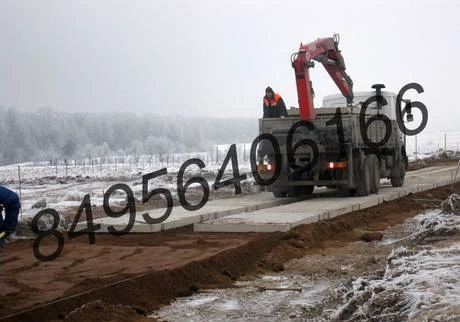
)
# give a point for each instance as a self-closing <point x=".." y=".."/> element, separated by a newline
<point x="215" y="58"/>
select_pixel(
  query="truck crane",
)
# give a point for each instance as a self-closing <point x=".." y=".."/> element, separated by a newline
<point x="325" y="51"/>
<point x="337" y="145"/>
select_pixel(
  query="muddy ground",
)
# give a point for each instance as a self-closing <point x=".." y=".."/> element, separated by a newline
<point x="125" y="278"/>
<point x="411" y="274"/>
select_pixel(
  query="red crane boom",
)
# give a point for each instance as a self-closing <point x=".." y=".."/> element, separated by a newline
<point x="325" y="51"/>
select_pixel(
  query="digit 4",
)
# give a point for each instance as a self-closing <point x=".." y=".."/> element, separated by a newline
<point x="85" y="205"/>
<point x="237" y="178"/>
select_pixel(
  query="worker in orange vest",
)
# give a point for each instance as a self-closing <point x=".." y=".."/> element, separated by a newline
<point x="273" y="104"/>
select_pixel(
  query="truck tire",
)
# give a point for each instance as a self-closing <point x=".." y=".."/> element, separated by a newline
<point x="364" y="183"/>
<point x="374" y="165"/>
<point x="362" y="174"/>
<point x="397" y="175"/>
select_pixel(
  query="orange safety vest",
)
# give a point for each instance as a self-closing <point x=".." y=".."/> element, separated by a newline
<point x="273" y="102"/>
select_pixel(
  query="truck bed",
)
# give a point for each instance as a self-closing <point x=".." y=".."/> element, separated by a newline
<point x="327" y="135"/>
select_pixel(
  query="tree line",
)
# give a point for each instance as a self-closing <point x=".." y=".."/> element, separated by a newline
<point x="47" y="134"/>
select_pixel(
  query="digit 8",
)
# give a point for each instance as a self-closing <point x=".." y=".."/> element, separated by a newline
<point x="44" y="233"/>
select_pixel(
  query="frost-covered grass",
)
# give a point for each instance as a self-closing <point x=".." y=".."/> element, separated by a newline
<point x="420" y="283"/>
<point x="63" y="187"/>
<point x="248" y="302"/>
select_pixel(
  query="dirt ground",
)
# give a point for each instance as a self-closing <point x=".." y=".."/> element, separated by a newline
<point x="124" y="278"/>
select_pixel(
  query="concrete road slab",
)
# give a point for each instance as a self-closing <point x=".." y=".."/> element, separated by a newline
<point x="264" y="213"/>
<point x="180" y="217"/>
<point x="326" y="205"/>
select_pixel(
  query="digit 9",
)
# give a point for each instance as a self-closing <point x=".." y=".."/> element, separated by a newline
<point x="130" y="206"/>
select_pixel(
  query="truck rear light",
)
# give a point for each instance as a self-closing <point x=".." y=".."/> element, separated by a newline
<point x="336" y="165"/>
<point x="261" y="168"/>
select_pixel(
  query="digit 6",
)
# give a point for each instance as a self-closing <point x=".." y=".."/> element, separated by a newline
<point x="364" y="126"/>
<point x="291" y="149"/>
<point x="416" y="104"/>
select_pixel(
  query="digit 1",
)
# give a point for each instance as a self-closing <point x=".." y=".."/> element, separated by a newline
<point x="337" y="119"/>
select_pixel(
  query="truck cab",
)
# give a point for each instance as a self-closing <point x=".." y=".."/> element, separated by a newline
<point x="337" y="100"/>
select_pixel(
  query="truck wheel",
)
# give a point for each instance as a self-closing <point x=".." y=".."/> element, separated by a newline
<point x="364" y="183"/>
<point x="373" y="160"/>
<point x="280" y="194"/>
<point x="397" y="175"/>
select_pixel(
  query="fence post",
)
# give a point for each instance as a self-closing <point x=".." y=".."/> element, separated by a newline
<point x="20" y="190"/>
<point x="445" y="142"/>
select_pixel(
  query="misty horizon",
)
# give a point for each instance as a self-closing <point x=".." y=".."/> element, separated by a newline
<point x="50" y="134"/>
<point x="155" y="56"/>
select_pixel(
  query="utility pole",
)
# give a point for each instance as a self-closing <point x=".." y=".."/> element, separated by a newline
<point x="445" y="142"/>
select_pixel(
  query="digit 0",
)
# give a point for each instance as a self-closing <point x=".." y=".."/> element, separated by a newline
<point x="253" y="157"/>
